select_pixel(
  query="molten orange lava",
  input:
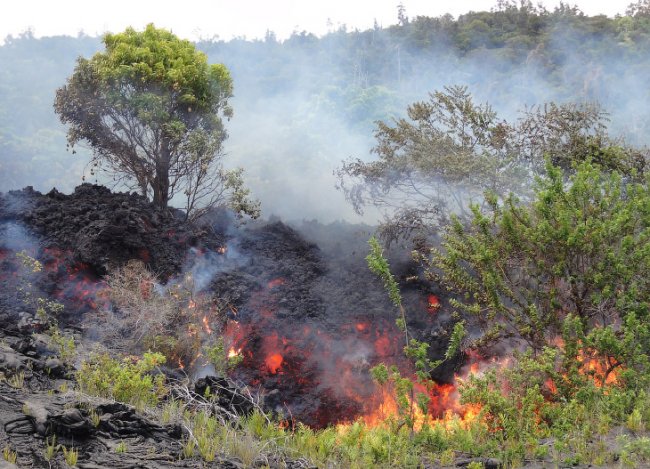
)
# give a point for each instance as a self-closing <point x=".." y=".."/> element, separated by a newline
<point x="273" y="362"/>
<point x="433" y="304"/>
<point x="276" y="282"/>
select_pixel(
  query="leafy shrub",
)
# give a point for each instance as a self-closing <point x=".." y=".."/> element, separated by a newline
<point x="127" y="381"/>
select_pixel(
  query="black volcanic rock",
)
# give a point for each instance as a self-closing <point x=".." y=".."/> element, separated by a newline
<point x="102" y="228"/>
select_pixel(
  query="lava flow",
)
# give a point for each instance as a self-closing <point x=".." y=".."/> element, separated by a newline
<point x="321" y="376"/>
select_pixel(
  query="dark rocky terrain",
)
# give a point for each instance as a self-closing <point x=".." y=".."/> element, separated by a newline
<point x="307" y="299"/>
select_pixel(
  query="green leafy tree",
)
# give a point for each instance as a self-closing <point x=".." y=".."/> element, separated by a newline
<point x="580" y="248"/>
<point x="151" y="109"/>
<point x="450" y="149"/>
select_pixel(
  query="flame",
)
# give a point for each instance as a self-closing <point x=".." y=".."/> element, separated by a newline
<point x="206" y="325"/>
<point x="600" y="368"/>
<point x="232" y="353"/>
<point x="444" y="409"/>
<point x="551" y="386"/>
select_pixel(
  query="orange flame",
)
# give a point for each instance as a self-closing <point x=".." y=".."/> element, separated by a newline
<point x="206" y="325"/>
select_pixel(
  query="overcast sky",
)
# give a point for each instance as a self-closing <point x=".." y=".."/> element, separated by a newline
<point x="194" y="19"/>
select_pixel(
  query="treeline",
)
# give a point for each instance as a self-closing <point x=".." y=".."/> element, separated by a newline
<point x="315" y="100"/>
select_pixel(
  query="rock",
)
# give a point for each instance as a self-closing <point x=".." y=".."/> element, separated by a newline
<point x="488" y="463"/>
<point x="55" y="367"/>
<point x="11" y="361"/>
<point x="70" y="422"/>
<point x="38" y="415"/>
<point x="91" y="223"/>
<point x="225" y="394"/>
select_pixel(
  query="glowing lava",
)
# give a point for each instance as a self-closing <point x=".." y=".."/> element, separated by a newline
<point x="433" y="304"/>
<point x="274" y="362"/>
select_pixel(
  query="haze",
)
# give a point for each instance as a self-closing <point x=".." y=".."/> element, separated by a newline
<point x="196" y="19"/>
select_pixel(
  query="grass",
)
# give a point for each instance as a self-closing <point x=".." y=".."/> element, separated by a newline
<point x="121" y="447"/>
<point x="71" y="455"/>
<point x="510" y="425"/>
<point x="17" y="380"/>
<point x="9" y="455"/>
<point x="50" y="448"/>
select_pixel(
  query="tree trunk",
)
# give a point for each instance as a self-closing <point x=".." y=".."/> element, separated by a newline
<point x="161" y="180"/>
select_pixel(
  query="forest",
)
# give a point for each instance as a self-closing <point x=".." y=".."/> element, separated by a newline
<point x="425" y="244"/>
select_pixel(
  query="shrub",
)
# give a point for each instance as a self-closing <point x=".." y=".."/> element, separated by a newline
<point x="127" y="381"/>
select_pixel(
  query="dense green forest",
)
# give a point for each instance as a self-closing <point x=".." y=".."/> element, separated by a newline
<point x="311" y="102"/>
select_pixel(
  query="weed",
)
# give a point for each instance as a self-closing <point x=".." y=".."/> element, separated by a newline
<point x="17" y="380"/>
<point x="9" y="455"/>
<point x="634" y="421"/>
<point x="50" y="448"/>
<point x="94" y="418"/>
<point x="189" y="448"/>
<point x="71" y="455"/>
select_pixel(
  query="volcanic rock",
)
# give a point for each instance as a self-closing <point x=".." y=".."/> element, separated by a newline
<point x="224" y="394"/>
<point x="101" y="228"/>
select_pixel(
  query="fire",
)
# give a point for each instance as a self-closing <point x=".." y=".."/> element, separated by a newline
<point x="361" y="326"/>
<point x="383" y="346"/>
<point x="602" y="369"/>
<point x="206" y="325"/>
<point x="232" y="353"/>
<point x="444" y="409"/>
<point x="276" y="282"/>
<point x="433" y="304"/>
<point x="551" y="386"/>
<point x="273" y="362"/>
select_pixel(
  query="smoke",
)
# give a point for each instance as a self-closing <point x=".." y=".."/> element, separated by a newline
<point x="305" y="104"/>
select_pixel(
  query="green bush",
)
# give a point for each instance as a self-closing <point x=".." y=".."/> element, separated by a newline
<point x="127" y="381"/>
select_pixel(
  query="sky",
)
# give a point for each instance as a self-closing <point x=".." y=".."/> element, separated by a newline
<point x="225" y="19"/>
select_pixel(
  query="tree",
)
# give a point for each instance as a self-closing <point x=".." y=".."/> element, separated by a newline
<point x="580" y="249"/>
<point x="151" y="108"/>
<point x="445" y="152"/>
<point x="450" y="150"/>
